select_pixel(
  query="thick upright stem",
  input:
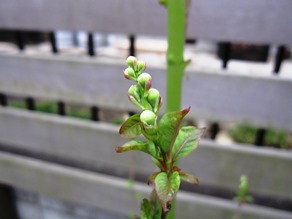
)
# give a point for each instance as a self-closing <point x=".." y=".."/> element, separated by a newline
<point x="175" y="60"/>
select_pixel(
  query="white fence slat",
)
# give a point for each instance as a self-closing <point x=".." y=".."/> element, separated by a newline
<point x="113" y="16"/>
<point x="111" y="193"/>
<point x="261" y="21"/>
<point x="93" y="144"/>
<point x="220" y="96"/>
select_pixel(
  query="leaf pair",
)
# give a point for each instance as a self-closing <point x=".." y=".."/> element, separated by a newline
<point x="175" y="141"/>
<point x="167" y="184"/>
<point x="166" y="187"/>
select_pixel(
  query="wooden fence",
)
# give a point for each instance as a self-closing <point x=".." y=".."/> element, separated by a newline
<point x="74" y="160"/>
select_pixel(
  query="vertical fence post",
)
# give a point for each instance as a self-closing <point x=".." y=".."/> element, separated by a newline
<point x="214" y="130"/>
<point x="20" y="40"/>
<point x="61" y="108"/>
<point x="94" y="113"/>
<point x="260" y="137"/>
<point x="90" y="44"/>
<point x="30" y="103"/>
<point x="8" y="208"/>
<point x="132" y="49"/>
<point x="53" y="41"/>
<point x="3" y="100"/>
<point x="225" y="53"/>
<point x="279" y="59"/>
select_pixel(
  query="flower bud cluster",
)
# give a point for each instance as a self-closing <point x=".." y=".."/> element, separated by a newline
<point x="142" y="94"/>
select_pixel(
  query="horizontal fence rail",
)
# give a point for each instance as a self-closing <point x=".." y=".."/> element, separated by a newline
<point x="219" y="96"/>
<point x="111" y="193"/>
<point x="261" y="21"/>
<point x="92" y="144"/>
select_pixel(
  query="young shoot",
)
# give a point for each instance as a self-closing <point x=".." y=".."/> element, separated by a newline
<point x="166" y="140"/>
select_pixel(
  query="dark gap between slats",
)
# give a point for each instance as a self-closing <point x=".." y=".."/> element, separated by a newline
<point x="3" y="100"/>
<point x="225" y="53"/>
<point x="30" y="103"/>
<point x="260" y="137"/>
<point x="214" y="130"/>
<point x="90" y="44"/>
<point x="280" y="56"/>
<point x="61" y="108"/>
<point x="94" y="113"/>
<point x="8" y="208"/>
<point x="132" y="49"/>
<point x="20" y="40"/>
<point x="53" y="42"/>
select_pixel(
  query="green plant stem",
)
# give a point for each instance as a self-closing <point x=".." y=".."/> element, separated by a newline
<point x="175" y="60"/>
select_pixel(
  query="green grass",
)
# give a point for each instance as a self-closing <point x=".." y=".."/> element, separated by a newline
<point x="80" y="112"/>
<point x="247" y="134"/>
<point x="51" y="107"/>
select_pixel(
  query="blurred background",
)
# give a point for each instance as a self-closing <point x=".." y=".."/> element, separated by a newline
<point x="63" y="97"/>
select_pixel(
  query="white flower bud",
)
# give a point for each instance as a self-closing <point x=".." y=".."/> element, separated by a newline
<point x="154" y="99"/>
<point x="148" y="118"/>
<point x="132" y="62"/>
<point x="129" y="74"/>
<point x="145" y="80"/>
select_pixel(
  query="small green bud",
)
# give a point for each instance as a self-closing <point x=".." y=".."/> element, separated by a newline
<point x="243" y="186"/>
<point x="132" y="62"/>
<point x="135" y="95"/>
<point x="154" y="99"/>
<point x="129" y="74"/>
<point x="242" y="194"/>
<point x="145" y="80"/>
<point x="148" y="118"/>
<point x="141" y="67"/>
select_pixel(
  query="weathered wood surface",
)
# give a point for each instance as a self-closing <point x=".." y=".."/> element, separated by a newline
<point x="220" y="96"/>
<point x="113" y="16"/>
<point x="92" y="144"/>
<point x="261" y="21"/>
<point x="33" y="205"/>
<point x="111" y="193"/>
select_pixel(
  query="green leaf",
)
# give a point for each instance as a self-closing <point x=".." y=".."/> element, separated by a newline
<point x="189" y="178"/>
<point x="162" y="187"/>
<point x="166" y="186"/>
<point x="139" y="145"/>
<point x="168" y="128"/>
<point x="145" y="209"/>
<point x="186" y="141"/>
<point x="174" y="184"/>
<point x="151" y="209"/>
<point x="131" y="127"/>
<point x="155" y="206"/>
